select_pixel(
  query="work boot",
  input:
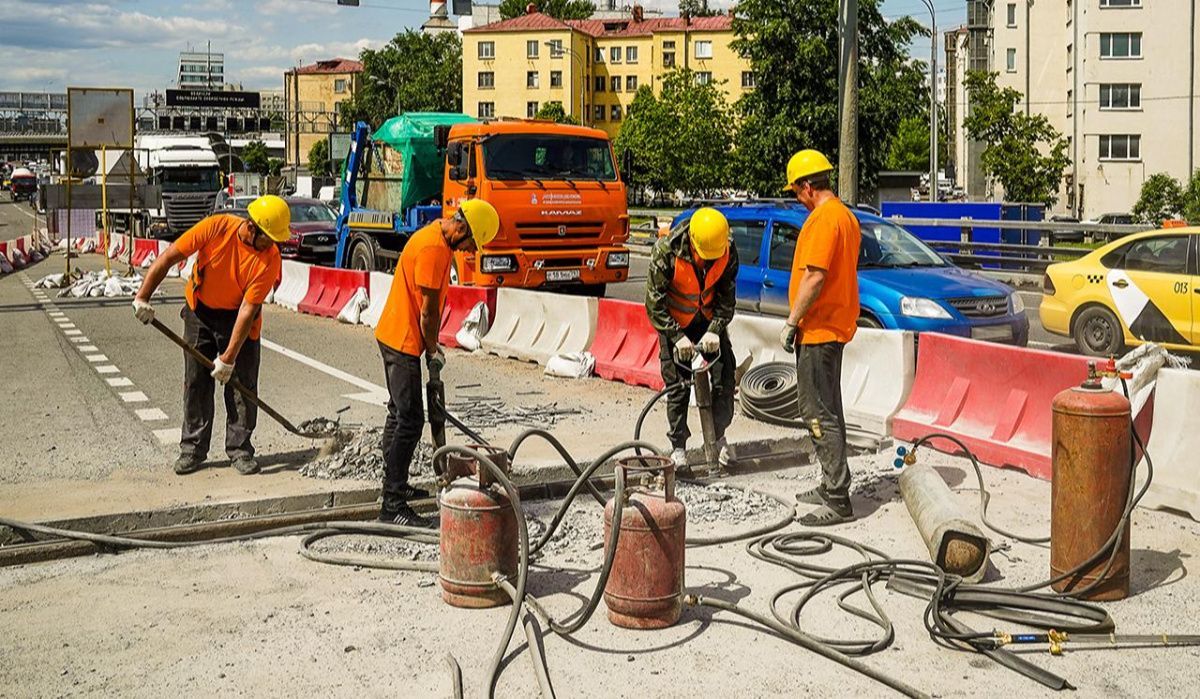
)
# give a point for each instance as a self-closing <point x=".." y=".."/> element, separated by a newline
<point x="410" y="493"/>
<point x="188" y="463"/>
<point x="246" y="465"/>
<point x="724" y="454"/>
<point x="406" y="516"/>
<point x="679" y="458"/>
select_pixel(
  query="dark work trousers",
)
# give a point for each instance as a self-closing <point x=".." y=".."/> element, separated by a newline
<point x="819" y="384"/>
<point x="402" y="429"/>
<point x="209" y="330"/>
<point x="720" y="374"/>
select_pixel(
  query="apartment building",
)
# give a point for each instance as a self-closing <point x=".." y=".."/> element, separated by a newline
<point x="592" y="67"/>
<point x="312" y="94"/>
<point x="1115" y="77"/>
<point x="201" y="70"/>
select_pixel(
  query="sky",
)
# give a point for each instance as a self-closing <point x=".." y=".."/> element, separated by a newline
<point x="48" y="44"/>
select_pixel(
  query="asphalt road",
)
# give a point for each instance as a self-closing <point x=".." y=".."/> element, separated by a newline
<point x="16" y="218"/>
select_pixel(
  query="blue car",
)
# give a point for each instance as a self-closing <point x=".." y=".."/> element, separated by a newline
<point x="902" y="283"/>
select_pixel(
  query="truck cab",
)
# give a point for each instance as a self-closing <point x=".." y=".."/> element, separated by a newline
<point x="187" y="170"/>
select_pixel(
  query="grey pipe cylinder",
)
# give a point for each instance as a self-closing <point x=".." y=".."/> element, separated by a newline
<point x="955" y="544"/>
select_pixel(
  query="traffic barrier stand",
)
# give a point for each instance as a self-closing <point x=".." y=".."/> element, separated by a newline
<point x="293" y="284"/>
<point x="626" y="345"/>
<point x="380" y="285"/>
<point x="172" y="271"/>
<point x="458" y="304"/>
<point x="116" y="247"/>
<point x="6" y="266"/>
<point x="144" y="252"/>
<point x="16" y="257"/>
<point x="1174" y="443"/>
<point x="533" y="326"/>
<point x="995" y="398"/>
<point x="331" y="290"/>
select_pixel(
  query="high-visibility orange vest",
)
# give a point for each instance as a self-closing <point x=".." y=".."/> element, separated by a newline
<point x="686" y="297"/>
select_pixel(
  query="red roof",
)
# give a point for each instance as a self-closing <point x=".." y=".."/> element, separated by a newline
<point x="330" y="66"/>
<point x="534" y="21"/>
<point x="604" y="28"/>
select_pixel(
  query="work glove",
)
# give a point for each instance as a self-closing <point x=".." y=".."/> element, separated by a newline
<point x="221" y="371"/>
<point x="684" y="349"/>
<point x="787" y="338"/>
<point x="143" y="311"/>
<point x="436" y="360"/>
<point x="710" y="343"/>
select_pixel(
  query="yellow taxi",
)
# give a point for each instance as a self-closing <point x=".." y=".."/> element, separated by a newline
<point x="1144" y="287"/>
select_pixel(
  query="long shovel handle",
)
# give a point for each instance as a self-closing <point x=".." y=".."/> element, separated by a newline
<point x="237" y="385"/>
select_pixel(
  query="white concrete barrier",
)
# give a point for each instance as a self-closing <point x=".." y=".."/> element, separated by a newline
<point x="1175" y="443"/>
<point x="162" y="248"/>
<point x="381" y="284"/>
<point x="534" y="326"/>
<point x="757" y="337"/>
<point x="293" y="286"/>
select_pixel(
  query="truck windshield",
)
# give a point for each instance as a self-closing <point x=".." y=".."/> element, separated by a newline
<point x="190" y="179"/>
<point x="547" y="157"/>
<point x="889" y="245"/>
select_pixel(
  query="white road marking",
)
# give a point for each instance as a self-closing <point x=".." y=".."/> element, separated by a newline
<point x="324" y="368"/>
<point x="88" y="348"/>
<point x="372" y="397"/>
<point x="73" y="333"/>
<point x="150" y="414"/>
<point x="67" y="326"/>
<point x="107" y="369"/>
<point x="119" y="381"/>
<point x="95" y="357"/>
<point x="79" y="339"/>
<point x="169" y="436"/>
<point x="57" y="314"/>
<point x="133" y="397"/>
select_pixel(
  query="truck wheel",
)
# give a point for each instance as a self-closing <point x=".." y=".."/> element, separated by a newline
<point x="866" y="320"/>
<point x="362" y="257"/>
<point x="1098" y="333"/>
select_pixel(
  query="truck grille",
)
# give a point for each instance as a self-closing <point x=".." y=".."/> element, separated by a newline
<point x="551" y="234"/>
<point x="980" y="306"/>
<point x="186" y="210"/>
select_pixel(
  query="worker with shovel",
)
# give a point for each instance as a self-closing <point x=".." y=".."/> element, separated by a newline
<point x="408" y="328"/>
<point x="237" y="265"/>
<point x="691" y="289"/>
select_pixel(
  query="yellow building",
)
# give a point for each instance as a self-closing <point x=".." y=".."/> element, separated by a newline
<point x="593" y="67"/>
<point x="312" y="94"/>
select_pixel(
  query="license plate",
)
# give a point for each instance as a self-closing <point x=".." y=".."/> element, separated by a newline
<point x="992" y="332"/>
<point x="562" y="275"/>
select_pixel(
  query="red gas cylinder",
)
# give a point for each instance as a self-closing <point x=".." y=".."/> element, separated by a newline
<point x="645" y="587"/>
<point x="478" y="532"/>
<point x="1092" y="461"/>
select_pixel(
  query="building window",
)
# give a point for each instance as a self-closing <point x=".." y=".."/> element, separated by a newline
<point x="598" y="112"/>
<point x="704" y="49"/>
<point x="668" y="59"/>
<point x="1012" y="14"/>
<point x="1010" y="60"/>
<point x="747" y="79"/>
<point x="1121" y="45"/>
<point x="532" y="79"/>
<point x="615" y="83"/>
<point x="339" y="85"/>
<point x="1121" y="147"/>
<point x="599" y="55"/>
<point x="556" y="78"/>
<point x="1070" y="103"/>
<point x="1121" y="96"/>
<point x="487" y="110"/>
<point x="669" y="45"/>
<point x="487" y="50"/>
<point x="531" y="49"/>
<point x="703" y="77"/>
<point x="600" y="83"/>
<point x="531" y="109"/>
<point x="631" y="83"/>
<point x="556" y="48"/>
<point x="631" y="54"/>
<point x="616" y="112"/>
<point x="1120" y="3"/>
<point x="614" y="54"/>
<point x="487" y="80"/>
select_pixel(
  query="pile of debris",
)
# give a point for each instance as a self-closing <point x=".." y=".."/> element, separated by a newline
<point x="360" y="457"/>
<point x="718" y="503"/>
<point x="92" y="284"/>
<point x="485" y="412"/>
<point x="578" y="538"/>
<point x="384" y="547"/>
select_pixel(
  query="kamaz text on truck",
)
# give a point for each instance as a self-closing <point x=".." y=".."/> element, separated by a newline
<point x="563" y="215"/>
<point x="187" y="170"/>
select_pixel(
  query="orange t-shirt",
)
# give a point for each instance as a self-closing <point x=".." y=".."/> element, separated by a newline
<point x="424" y="264"/>
<point x="227" y="271"/>
<point x="829" y="240"/>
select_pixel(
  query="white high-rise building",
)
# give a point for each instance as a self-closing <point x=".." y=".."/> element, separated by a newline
<point x="201" y="70"/>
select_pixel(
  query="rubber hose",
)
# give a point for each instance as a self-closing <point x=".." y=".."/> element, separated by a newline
<point x="769" y="394"/>
<point x="562" y="452"/>
<point x="456" y="679"/>
<point x="532" y="635"/>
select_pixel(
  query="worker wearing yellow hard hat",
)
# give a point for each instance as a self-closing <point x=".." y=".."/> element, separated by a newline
<point x="823" y="301"/>
<point x="236" y="266"/>
<point x="690" y="297"/>
<point x="408" y="329"/>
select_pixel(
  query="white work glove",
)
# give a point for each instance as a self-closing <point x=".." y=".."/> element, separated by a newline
<point x="787" y="338"/>
<point x="684" y="349"/>
<point x="143" y="311"/>
<point x="435" y="361"/>
<point x="221" y="371"/>
<point x="710" y="343"/>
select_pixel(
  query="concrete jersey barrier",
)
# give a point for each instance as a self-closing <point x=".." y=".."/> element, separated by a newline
<point x="380" y="283"/>
<point x="1174" y="443"/>
<point x="293" y="284"/>
<point x="534" y="326"/>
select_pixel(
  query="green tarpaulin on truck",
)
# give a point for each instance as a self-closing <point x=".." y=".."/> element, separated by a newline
<point x="411" y="136"/>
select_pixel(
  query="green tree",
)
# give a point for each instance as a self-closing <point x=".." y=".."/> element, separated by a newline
<point x="909" y="149"/>
<point x="413" y="72"/>
<point x="792" y="49"/>
<point x="255" y="158"/>
<point x="642" y="136"/>
<point x="1190" y="206"/>
<point x="275" y="167"/>
<point x="553" y="111"/>
<point x="1161" y="198"/>
<point x="696" y="8"/>
<point x="560" y="9"/>
<point x="1022" y="152"/>
<point x="319" y="164"/>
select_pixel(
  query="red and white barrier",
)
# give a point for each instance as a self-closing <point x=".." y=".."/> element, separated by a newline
<point x="330" y="290"/>
<point x="380" y="285"/>
<point x="626" y="345"/>
<point x="293" y="284"/>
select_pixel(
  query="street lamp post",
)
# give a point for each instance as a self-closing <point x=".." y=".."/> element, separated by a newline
<point x="933" y="103"/>
<point x="555" y="46"/>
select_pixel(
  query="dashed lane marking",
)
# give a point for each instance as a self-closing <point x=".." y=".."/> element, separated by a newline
<point x="72" y="333"/>
<point x="133" y="397"/>
<point x="169" y="436"/>
<point x="118" y="382"/>
<point x="95" y="358"/>
<point x="107" y="369"/>
<point x="88" y="348"/>
<point x="150" y="414"/>
<point x="79" y="339"/>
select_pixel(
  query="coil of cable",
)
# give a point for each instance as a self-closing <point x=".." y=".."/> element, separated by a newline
<point x="768" y="393"/>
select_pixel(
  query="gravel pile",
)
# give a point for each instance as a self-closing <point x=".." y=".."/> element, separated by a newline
<point x="717" y="503"/>
<point x="361" y="458"/>
<point x="384" y="547"/>
<point x="578" y="538"/>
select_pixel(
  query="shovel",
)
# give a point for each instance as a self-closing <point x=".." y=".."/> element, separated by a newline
<point x="237" y="386"/>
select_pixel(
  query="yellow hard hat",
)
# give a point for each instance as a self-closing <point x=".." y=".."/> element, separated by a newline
<point x="806" y="163"/>
<point x="272" y="215"/>
<point x="709" y="232"/>
<point x="482" y="220"/>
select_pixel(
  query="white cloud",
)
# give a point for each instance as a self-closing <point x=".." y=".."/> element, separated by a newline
<point x="36" y="25"/>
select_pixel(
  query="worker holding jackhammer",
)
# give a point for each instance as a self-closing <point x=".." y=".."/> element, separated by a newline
<point x="690" y="298"/>
<point x="237" y="265"/>
<point x="408" y="329"/>
<point x="823" y="297"/>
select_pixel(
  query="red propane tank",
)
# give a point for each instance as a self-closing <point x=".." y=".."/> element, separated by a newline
<point x="645" y="587"/>
<point x="478" y="532"/>
<point x="1090" y="487"/>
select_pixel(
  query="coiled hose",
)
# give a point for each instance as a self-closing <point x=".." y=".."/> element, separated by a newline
<point x="768" y="394"/>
